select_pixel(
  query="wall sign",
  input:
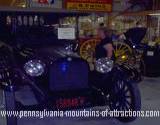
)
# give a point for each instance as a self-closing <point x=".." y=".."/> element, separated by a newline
<point x="66" y="33"/>
<point x="46" y="3"/>
<point x="89" y="5"/>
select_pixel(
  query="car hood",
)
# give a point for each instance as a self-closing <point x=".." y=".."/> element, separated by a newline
<point x="49" y="52"/>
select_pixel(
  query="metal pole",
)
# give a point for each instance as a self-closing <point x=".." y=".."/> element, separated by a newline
<point x="77" y="27"/>
<point x="158" y="26"/>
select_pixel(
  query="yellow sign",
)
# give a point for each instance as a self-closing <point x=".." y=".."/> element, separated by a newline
<point x="86" y="5"/>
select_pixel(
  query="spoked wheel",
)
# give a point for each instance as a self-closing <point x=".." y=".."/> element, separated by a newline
<point x="137" y="68"/>
<point x="125" y="96"/>
<point x="122" y="51"/>
<point x="87" y="51"/>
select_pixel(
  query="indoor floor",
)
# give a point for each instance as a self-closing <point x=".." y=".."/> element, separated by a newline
<point x="150" y="101"/>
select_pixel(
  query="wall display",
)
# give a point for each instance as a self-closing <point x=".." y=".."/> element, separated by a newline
<point x="13" y="3"/>
<point x="123" y="23"/>
<point x="89" y="5"/>
<point x="30" y="20"/>
<point x="23" y="20"/>
<point x="36" y="20"/>
<point x="46" y="3"/>
<point x="41" y="20"/>
<point x="154" y="29"/>
<point x="20" y="22"/>
<point x="8" y="20"/>
<point x="87" y="25"/>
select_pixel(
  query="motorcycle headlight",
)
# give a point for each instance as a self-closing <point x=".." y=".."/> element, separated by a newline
<point x="34" y="68"/>
<point x="104" y="65"/>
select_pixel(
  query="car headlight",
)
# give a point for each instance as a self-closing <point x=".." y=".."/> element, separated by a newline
<point x="34" y="68"/>
<point x="104" y="65"/>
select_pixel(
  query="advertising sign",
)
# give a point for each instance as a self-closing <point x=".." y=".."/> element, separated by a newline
<point x="46" y="3"/>
<point x="89" y="5"/>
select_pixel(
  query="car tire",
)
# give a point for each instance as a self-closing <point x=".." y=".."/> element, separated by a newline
<point x="117" y="98"/>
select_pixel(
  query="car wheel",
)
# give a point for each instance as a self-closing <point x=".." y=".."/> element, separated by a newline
<point x="125" y="96"/>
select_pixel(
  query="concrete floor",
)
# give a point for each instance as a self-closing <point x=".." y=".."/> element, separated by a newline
<point x="150" y="92"/>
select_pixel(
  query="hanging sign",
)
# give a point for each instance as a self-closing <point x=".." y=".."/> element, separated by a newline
<point x="89" y="5"/>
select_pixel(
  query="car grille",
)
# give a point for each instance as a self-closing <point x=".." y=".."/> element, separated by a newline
<point x="69" y="74"/>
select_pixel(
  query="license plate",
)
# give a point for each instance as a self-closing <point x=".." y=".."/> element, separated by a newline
<point x="70" y="102"/>
<point x="150" y="53"/>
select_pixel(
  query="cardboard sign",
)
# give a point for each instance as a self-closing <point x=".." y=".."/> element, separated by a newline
<point x="66" y="33"/>
<point x="150" y="53"/>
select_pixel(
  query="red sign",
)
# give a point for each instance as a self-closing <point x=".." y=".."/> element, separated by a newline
<point x="43" y="1"/>
<point x="89" y="5"/>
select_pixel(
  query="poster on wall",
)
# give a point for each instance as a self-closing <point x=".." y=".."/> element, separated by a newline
<point x="66" y="33"/>
<point x="89" y="5"/>
<point x="46" y="3"/>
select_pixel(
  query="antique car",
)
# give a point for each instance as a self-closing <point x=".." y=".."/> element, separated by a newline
<point x="32" y="55"/>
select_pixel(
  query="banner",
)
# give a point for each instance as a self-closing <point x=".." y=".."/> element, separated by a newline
<point x="89" y="5"/>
